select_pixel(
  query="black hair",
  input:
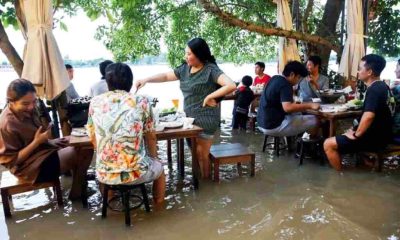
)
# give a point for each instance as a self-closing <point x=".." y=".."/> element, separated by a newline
<point x="247" y="80"/>
<point x="295" y="67"/>
<point x="119" y="77"/>
<point x="102" y="67"/>
<point x="19" y="88"/>
<point x="374" y="62"/>
<point x="398" y="61"/>
<point x="201" y="50"/>
<point x="68" y="66"/>
<point x="261" y="64"/>
<point x="316" y="60"/>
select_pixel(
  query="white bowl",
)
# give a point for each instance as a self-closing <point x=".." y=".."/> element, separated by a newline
<point x="188" y="120"/>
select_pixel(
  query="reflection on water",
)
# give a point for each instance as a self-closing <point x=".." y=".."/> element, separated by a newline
<point x="283" y="201"/>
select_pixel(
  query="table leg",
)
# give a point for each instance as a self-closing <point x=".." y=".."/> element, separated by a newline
<point x="332" y="128"/>
<point x="195" y="164"/>
<point x="181" y="157"/>
<point x="169" y="153"/>
<point x="6" y="204"/>
<point x="253" y="165"/>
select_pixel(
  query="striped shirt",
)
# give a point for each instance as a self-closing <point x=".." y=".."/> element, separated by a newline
<point x="195" y="88"/>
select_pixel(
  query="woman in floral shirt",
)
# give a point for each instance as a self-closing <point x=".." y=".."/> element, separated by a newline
<point x="117" y="124"/>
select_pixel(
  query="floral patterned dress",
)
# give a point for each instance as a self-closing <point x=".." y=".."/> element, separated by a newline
<point x="118" y="120"/>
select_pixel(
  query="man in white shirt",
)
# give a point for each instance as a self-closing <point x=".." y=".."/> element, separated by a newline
<point x="70" y="91"/>
<point x="101" y="86"/>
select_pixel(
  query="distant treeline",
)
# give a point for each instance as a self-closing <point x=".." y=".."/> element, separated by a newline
<point x="161" y="59"/>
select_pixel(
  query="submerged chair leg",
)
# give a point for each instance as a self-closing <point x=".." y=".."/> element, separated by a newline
<point x="145" y="198"/>
<point x="265" y="143"/>
<point x="276" y="145"/>
<point x="105" y="201"/>
<point x="127" y="208"/>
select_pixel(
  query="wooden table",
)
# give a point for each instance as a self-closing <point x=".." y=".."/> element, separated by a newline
<point x="332" y="117"/>
<point x="177" y="133"/>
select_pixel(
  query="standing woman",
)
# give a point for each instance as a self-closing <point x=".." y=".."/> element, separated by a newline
<point x="201" y="83"/>
<point x="26" y="148"/>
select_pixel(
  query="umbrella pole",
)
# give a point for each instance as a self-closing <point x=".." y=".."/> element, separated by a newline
<point x="56" y="129"/>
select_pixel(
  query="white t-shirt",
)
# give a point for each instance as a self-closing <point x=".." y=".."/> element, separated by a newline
<point x="98" y="88"/>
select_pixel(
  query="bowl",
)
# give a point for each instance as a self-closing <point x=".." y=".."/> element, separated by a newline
<point x="330" y="97"/>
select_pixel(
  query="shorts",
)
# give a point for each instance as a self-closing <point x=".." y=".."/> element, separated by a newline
<point x="153" y="173"/>
<point x="206" y="136"/>
<point x="347" y="145"/>
<point x="49" y="169"/>
<point x="292" y="125"/>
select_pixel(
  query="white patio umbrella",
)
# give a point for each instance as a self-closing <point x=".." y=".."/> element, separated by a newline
<point x="43" y="64"/>
<point x="354" y="48"/>
<point x="287" y="47"/>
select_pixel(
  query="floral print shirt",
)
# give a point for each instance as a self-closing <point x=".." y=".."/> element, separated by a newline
<point x="118" y="120"/>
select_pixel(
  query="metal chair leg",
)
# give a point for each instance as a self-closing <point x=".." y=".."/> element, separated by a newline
<point x="145" y="197"/>
<point x="105" y="201"/>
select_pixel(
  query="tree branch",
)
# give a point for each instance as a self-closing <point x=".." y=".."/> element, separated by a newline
<point x="265" y="30"/>
<point x="243" y="5"/>
<point x="173" y="10"/>
<point x="8" y="49"/>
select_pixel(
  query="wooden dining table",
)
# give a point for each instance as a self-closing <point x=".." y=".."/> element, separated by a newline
<point x="333" y="117"/>
<point x="167" y="134"/>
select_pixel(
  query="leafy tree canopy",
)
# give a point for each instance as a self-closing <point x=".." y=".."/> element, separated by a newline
<point x="137" y="27"/>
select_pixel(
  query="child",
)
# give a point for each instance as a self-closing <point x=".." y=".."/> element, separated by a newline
<point x="244" y="96"/>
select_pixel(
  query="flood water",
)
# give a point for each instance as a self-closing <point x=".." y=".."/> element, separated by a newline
<point x="283" y="200"/>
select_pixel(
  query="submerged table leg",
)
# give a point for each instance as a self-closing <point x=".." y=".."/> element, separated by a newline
<point x="181" y="157"/>
<point x="195" y="164"/>
<point x="169" y="154"/>
<point x="332" y="128"/>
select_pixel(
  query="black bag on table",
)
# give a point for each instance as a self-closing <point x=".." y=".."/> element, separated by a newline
<point x="78" y="110"/>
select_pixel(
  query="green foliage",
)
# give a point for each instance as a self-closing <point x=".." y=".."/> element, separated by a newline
<point x="7" y="13"/>
<point x="138" y="28"/>
<point x="384" y="31"/>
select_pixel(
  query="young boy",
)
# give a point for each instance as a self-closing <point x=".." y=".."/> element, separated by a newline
<point x="244" y="96"/>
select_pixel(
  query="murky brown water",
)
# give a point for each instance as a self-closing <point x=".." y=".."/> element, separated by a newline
<point x="283" y="201"/>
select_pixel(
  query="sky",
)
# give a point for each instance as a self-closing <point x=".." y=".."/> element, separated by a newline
<point x="77" y="43"/>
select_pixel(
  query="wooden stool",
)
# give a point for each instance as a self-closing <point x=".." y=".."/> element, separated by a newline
<point x="11" y="185"/>
<point x="276" y="144"/>
<point x="125" y="195"/>
<point x="305" y="148"/>
<point x="390" y="151"/>
<point x="229" y="154"/>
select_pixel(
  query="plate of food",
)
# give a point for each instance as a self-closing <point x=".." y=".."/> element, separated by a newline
<point x="167" y="111"/>
<point x="79" y="132"/>
<point x="175" y="124"/>
<point x="326" y="109"/>
<point x="354" y="104"/>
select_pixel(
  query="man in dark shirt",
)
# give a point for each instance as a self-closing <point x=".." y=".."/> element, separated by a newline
<point x="278" y="115"/>
<point x="374" y="129"/>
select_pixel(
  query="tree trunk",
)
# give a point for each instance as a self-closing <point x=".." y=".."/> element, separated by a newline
<point x="8" y="49"/>
<point x="327" y="30"/>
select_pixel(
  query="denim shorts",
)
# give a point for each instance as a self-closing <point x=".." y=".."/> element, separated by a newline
<point x="292" y="125"/>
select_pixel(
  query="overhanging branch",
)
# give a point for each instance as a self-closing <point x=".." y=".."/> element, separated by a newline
<point x="264" y="30"/>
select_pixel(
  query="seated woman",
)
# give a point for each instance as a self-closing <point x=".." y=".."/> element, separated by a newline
<point x="118" y="122"/>
<point x="25" y="145"/>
